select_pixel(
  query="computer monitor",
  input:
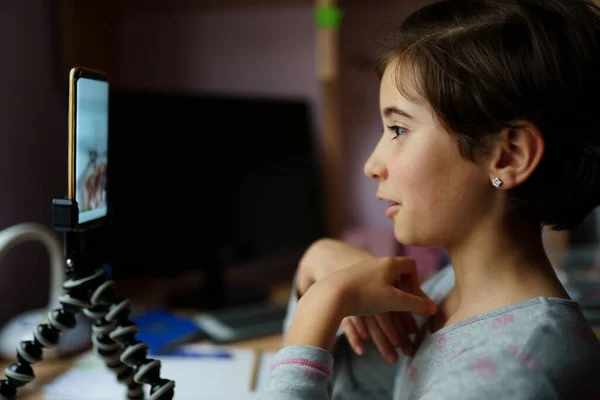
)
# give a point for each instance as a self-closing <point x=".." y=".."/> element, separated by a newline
<point x="204" y="181"/>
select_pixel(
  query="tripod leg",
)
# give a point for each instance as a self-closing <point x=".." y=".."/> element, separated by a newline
<point x="110" y="351"/>
<point x="114" y="339"/>
<point x="46" y="335"/>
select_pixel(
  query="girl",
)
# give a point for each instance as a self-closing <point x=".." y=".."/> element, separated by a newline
<point x="490" y="134"/>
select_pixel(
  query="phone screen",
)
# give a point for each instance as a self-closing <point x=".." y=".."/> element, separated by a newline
<point x="91" y="148"/>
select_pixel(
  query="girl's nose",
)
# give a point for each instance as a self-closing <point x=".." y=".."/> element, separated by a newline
<point x="375" y="169"/>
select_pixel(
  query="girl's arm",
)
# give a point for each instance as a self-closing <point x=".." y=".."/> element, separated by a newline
<point x="318" y="315"/>
<point x="302" y="369"/>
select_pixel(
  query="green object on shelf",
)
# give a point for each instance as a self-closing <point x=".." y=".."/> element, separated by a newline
<point x="328" y="17"/>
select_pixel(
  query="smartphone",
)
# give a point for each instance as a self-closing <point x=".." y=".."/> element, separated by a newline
<point x="88" y="145"/>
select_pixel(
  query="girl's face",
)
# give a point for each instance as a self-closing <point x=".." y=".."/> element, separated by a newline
<point x="436" y="196"/>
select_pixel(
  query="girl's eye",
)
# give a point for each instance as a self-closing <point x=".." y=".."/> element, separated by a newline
<point x="398" y="130"/>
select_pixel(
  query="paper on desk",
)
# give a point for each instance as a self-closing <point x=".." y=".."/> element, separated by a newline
<point x="195" y="378"/>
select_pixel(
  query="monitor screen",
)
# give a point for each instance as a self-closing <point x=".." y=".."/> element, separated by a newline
<point x="201" y="180"/>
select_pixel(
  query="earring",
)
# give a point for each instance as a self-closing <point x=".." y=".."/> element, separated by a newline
<point x="497" y="182"/>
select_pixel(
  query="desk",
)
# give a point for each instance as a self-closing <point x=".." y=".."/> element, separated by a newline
<point x="46" y="371"/>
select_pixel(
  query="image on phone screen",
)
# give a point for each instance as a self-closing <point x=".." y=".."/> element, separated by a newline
<point x="91" y="148"/>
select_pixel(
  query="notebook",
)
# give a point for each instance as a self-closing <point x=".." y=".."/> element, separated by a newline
<point x="163" y="330"/>
<point x="197" y="376"/>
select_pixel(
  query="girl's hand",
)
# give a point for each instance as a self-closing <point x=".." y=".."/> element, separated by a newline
<point x="324" y="257"/>
<point x="367" y="288"/>
<point x="382" y="285"/>
<point x="388" y="330"/>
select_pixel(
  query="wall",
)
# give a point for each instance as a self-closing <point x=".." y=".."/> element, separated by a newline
<point x="267" y="51"/>
<point x="33" y="143"/>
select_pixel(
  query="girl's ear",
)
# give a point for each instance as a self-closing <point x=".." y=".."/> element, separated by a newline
<point x="516" y="153"/>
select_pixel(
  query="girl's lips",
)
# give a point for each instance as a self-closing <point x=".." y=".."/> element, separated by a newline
<point x="392" y="209"/>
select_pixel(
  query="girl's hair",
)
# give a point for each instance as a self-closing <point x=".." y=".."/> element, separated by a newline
<point x="483" y="65"/>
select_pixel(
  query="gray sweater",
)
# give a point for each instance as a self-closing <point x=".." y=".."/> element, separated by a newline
<point x="541" y="348"/>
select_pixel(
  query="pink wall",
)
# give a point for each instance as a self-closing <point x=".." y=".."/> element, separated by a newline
<point x="33" y="142"/>
<point x="257" y="52"/>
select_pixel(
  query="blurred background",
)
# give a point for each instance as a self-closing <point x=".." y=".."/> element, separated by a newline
<point x="198" y="220"/>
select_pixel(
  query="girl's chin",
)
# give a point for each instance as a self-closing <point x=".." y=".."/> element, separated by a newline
<point x="403" y="235"/>
<point x="409" y="238"/>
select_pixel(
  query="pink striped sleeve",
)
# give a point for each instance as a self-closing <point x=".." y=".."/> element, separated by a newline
<point x="301" y="361"/>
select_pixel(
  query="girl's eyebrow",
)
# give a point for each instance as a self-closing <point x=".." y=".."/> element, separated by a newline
<point x="388" y="111"/>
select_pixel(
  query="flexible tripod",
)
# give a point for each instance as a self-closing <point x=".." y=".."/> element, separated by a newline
<point x="91" y="292"/>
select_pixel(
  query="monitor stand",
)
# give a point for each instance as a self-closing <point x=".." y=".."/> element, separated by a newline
<point x="230" y="285"/>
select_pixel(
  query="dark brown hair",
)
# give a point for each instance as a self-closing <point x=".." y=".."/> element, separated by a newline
<point x="483" y="65"/>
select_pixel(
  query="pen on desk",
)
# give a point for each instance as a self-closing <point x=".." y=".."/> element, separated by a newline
<point x="255" y="368"/>
<point x="199" y="353"/>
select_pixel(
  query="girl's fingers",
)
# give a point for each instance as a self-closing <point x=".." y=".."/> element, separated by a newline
<point x="412" y="284"/>
<point x="389" y="328"/>
<point x="406" y="343"/>
<point x="388" y="331"/>
<point x="402" y="301"/>
<point x="360" y="327"/>
<point x="381" y="341"/>
<point x="408" y="321"/>
<point x="353" y="337"/>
